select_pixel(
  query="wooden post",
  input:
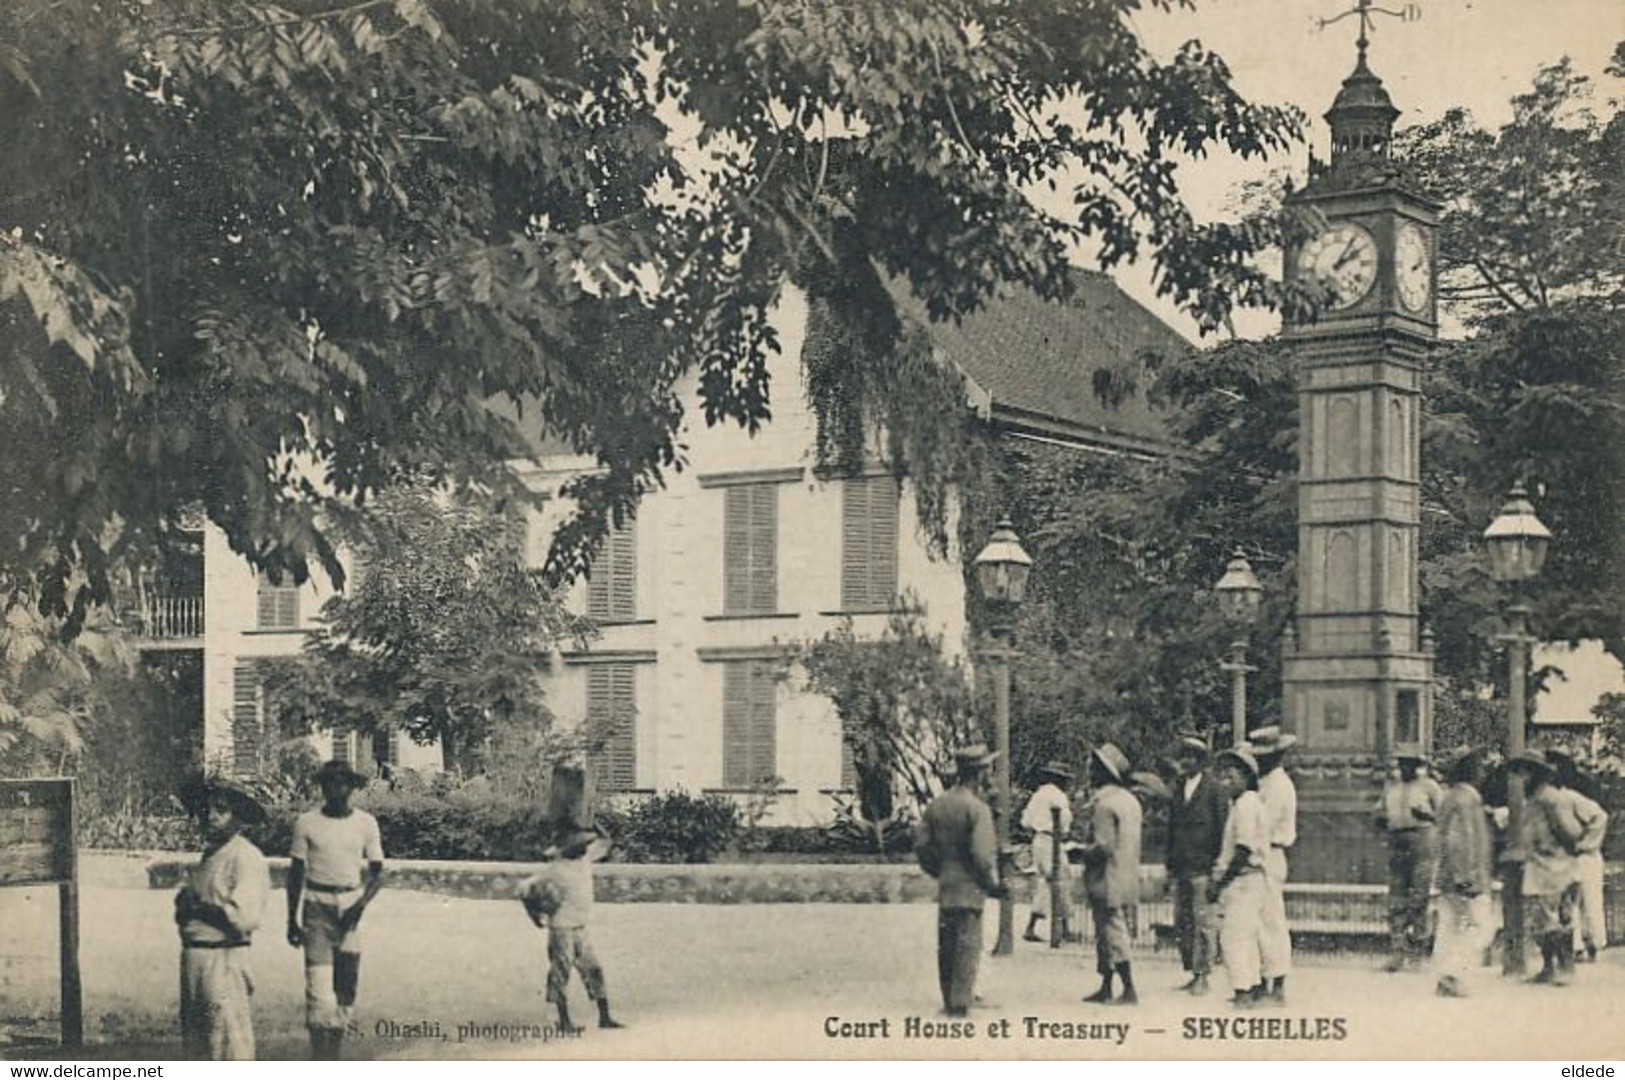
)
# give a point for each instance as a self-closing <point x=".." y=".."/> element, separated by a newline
<point x="73" y="1010"/>
<point x="1058" y="911"/>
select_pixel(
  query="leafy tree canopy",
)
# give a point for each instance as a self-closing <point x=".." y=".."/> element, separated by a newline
<point x="443" y="634"/>
<point x="269" y="258"/>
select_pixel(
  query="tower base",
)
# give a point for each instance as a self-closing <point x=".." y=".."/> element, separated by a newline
<point x="1338" y="839"/>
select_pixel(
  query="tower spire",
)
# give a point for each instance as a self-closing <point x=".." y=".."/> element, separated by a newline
<point x="1362" y="118"/>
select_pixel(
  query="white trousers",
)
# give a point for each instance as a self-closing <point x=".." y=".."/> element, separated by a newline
<point x="1274" y="936"/>
<point x="1591" y="927"/>
<point x="217" y="1021"/>
<point x="1242" y="916"/>
<point x="1466" y="926"/>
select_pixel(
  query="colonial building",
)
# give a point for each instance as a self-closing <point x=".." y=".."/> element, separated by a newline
<point x="746" y="551"/>
<point x="751" y="549"/>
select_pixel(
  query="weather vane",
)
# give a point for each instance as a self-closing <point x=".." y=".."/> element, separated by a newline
<point x="1366" y="11"/>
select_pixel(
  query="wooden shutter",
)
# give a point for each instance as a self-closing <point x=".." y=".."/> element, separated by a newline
<point x="612" y="724"/>
<point x="612" y="586"/>
<point x="868" y="543"/>
<point x="750" y="554"/>
<point x="849" y="762"/>
<point x="342" y="747"/>
<point x="277" y="606"/>
<point x="247" y="721"/>
<point x="749" y="724"/>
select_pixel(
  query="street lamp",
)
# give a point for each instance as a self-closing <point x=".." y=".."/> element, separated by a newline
<point x="1240" y="595"/>
<point x="1517" y="542"/>
<point x="1002" y="569"/>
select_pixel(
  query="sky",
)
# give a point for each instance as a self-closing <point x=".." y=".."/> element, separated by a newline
<point x="1474" y="53"/>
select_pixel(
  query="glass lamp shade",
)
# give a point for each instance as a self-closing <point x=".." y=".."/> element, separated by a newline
<point x="1517" y="539"/>
<point x="1240" y="594"/>
<point x="1003" y="566"/>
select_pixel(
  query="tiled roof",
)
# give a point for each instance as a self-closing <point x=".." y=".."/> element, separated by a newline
<point x="1037" y="359"/>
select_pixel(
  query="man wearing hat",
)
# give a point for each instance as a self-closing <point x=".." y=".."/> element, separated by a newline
<point x="957" y="846"/>
<point x="1586" y="897"/>
<point x="1048" y="816"/>
<point x="1407" y="809"/>
<point x="1111" y="871"/>
<point x="336" y="867"/>
<point x="1196" y="814"/>
<point x="1238" y="875"/>
<point x="1551" y="837"/>
<point x="1280" y="798"/>
<point x="217" y="911"/>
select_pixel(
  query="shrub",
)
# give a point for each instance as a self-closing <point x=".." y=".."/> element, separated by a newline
<point x="674" y="827"/>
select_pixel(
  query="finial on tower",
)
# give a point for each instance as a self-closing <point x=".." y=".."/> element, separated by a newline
<point x="1366" y="12"/>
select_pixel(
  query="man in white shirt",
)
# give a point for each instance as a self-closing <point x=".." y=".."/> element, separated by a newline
<point x="1407" y="809"/>
<point x="1280" y="798"/>
<point x="1040" y="817"/>
<point x="217" y="911"/>
<point x="336" y="867"/>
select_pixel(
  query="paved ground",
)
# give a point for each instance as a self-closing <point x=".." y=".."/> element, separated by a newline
<point x="764" y="981"/>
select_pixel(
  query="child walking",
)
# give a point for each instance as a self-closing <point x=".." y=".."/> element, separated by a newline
<point x="560" y="898"/>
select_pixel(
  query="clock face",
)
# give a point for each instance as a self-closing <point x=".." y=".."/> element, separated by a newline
<point x="1413" y="268"/>
<point x="1343" y="259"/>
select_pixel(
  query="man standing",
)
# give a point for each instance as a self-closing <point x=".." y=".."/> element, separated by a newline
<point x="1551" y="836"/>
<point x="217" y="910"/>
<point x="1111" y="871"/>
<point x="1238" y="875"/>
<point x="1589" y="922"/>
<point x="1048" y="815"/>
<point x="1463" y="876"/>
<point x="1407" y="809"/>
<point x="1196" y="816"/>
<point x="1280" y="798"/>
<point x="956" y="845"/>
<point x="336" y="867"/>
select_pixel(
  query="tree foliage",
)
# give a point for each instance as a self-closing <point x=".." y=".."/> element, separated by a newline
<point x="270" y="258"/>
<point x="903" y="707"/>
<point x="444" y="634"/>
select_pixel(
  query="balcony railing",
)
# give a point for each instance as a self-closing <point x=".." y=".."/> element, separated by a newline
<point x="169" y="617"/>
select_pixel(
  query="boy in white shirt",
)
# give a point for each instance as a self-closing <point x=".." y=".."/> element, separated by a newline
<point x="560" y="898"/>
<point x="336" y="868"/>
<point x="217" y="911"/>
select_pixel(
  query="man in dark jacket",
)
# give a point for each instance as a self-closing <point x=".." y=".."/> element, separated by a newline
<point x="956" y="845"/>
<point x="1195" y="830"/>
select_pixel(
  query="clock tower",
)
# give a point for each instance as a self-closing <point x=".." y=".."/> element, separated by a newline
<point x="1357" y="665"/>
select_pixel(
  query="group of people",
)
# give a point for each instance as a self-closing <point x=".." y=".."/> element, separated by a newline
<point x="336" y="869"/>
<point x="1232" y="822"/>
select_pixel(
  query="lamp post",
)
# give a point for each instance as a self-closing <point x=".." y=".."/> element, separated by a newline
<point x="1001" y="576"/>
<point x="1517" y="541"/>
<point x="1240" y="595"/>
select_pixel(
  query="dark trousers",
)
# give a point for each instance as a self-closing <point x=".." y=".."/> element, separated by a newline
<point x="1194" y="923"/>
<point x="1410" y="880"/>
<point x="959" y="949"/>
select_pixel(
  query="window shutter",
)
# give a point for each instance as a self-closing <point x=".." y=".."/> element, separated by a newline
<point x="246" y="720"/>
<point x="277" y="606"/>
<point x="849" y="761"/>
<point x="855" y="554"/>
<point x="764" y="535"/>
<point x="612" y="720"/>
<point x="749" y="723"/>
<point x="736" y="550"/>
<point x="868" y="543"/>
<point x="735" y="725"/>
<point x="612" y="585"/>
<point x="763" y="724"/>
